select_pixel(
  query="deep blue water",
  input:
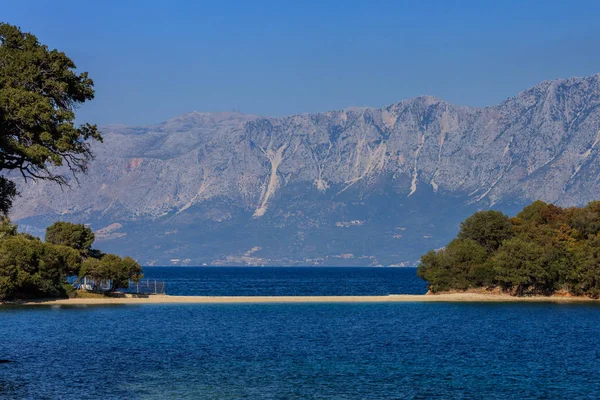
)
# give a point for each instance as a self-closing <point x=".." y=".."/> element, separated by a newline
<point x="301" y="351"/>
<point x="289" y="281"/>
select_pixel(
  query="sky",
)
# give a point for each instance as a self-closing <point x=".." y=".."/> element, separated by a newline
<point x="153" y="60"/>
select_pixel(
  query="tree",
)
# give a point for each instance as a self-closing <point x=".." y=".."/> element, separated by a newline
<point x="29" y="268"/>
<point x="518" y="265"/>
<point x="584" y="277"/>
<point x="8" y="191"/>
<point x="70" y="259"/>
<point x="434" y="269"/>
<point x="488" y="228"/>
<point x="540" y="213"/>
<point x="93" y="269"/>
<point x="39" y="93"/>
<point x="112" y="268"/>
<point x="586" y="220"/>
<point x="454" y="268"/>
<point x="7" y="228"/>
<point x="76" y="236"/>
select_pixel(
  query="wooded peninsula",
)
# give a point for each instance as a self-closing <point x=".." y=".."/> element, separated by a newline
<point x="544" y="250"/>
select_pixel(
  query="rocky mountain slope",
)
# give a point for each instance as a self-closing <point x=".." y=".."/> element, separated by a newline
<point x="360" y="186"/>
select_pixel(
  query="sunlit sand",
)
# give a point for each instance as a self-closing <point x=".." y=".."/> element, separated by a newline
<point x="404" y="298"/>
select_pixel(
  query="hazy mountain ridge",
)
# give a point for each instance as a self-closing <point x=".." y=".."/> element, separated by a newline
<point x="283" y="190"/>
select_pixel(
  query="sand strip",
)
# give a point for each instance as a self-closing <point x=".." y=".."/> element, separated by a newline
<point x="403" y="298"/>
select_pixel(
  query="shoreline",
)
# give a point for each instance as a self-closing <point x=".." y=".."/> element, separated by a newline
<point x="394" y="298"/>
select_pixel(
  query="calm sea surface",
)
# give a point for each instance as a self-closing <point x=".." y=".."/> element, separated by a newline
<point x="301" y="351"/>
<point x="288" y="281"/>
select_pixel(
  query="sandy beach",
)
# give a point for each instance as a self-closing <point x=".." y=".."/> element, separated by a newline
<point x="404" y="298"/>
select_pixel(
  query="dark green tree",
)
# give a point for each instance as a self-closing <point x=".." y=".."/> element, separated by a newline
<point x="113" y="268"/>
<point x="586" y="220"/>
<point x="71" y="260"/>
<point x="540" y="213"/>
<point x="518" y="266"/>
<point x="533" y="212"/>
<point x="39" y="93"/>
<point x="584" y="276"/>
<point x="76" y="236"/>
<point x="457" y="267"/>
<point x="8" y="191"/>
<point x="7" y="228"/>
<point x="434" y="269"/>
<point x="488" y="228"/>
<point x="29" y="268"/>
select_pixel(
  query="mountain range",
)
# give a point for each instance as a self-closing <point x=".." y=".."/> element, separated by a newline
<point x="359" y="186"/>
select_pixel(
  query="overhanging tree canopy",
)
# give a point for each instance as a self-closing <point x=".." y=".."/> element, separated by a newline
<point x="39" y="94"/>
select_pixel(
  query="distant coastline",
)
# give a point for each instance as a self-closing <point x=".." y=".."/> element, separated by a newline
<point x="462" y="297"/>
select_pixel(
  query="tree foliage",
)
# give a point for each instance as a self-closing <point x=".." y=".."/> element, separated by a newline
<point x="39" y="94"/>
<point x="76" y="236"/>
<point x="488" y="228"/>
<point x="30" y="268"/>
<point x="542" y="250"/>
<point x="8" y="191"/>
<point x="114" y="268"/>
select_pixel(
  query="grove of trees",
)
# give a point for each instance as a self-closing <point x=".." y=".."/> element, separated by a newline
<point x="543" y="250"/>
<point x="32" y="268"/>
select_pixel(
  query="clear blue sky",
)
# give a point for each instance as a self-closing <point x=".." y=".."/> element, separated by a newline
<point x="152" y="60"/>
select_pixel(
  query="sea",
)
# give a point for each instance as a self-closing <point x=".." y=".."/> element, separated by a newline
<point x="299" y="351"/>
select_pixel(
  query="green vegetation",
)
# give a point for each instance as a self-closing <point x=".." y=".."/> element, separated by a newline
<point x="76" y="236"/>
<point x="543" y="250"/>
<point x="111" y="267"/>
<point x="30" y="268"/>
<point x="39" y="92"/>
